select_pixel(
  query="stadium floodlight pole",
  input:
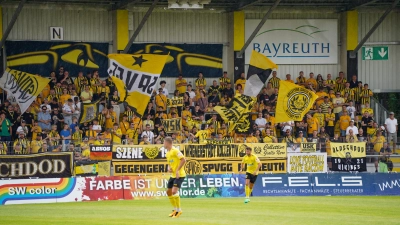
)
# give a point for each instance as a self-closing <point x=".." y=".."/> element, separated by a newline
<point x="253" y="35"/>
<point x="12" y="22"/>
<point x="376" y="25"/>
<point x="141" y="24"/>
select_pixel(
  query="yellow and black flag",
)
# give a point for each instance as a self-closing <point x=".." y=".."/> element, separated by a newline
<point x="293" y="103"/>
<point x="135" y="77"/>
<point x="260" y="68"/>
<point x="89" y="112"/>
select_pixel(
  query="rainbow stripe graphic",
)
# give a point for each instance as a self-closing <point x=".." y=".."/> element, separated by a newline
<point x="36" y="189"/>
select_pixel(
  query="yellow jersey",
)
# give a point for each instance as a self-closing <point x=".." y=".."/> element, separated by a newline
<point x="115" y="138"/>
<point x="202" y="135"/>
<point x="86" y="153"/>
<point x="251" y="162"/>
<point x="36" y="146"/>
<point x="181" y="89"/>
<point x="111" y="120"/>
<point x="174" y="157"/>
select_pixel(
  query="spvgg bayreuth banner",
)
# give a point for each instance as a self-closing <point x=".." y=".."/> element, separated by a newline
<point x="349" y="156"/>
<point x="42" y="165"/>
<point x="136" y="77"/>
<point x="195" y="166"/>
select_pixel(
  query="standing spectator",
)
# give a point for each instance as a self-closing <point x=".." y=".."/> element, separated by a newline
<point x="261" y="122"/>
<point x="12" y="116"/>
<point x="366" y="123"/>
<point x="23" y="128"/>
<point x="44" y="119"/>
<point x="392" y="128"/>
<point x="229" y="91"/>
<point x="214" y="98"/>
<point x="360" y="136"/>
<point x="200" y="81"/>
<point x="330" y="122"/>
<point x="274" y="80"/>
<point x="312" y="81"/>
<point x="46" y="103"/>
<point x="224" y="80"/>
<point x="86" y="95"/>
<point x="263" y="96"/>
<point x="65" y="135"/>
<point x="285" y="126"/>
<point x="6" y="128"/>
<point x="164" y="89"/>
<point x="66" y="78"/>
<point x="325" y="105"/>
<point x="202" y="102"/>
<point x="366" y="95"/>
<point x="289" y="78"/>
<point x="344" y="122"/>
<point x="321" y="118"/>
<point x="180" y="84"/>
<point x="161" y="100"/>
<point x="301" y="80"/>
<point x="68" y="110"/>
<point x="64" y="97"/>
<point x="340" y="82"/>
<point x="312" y="125"/>
<point x="191" y="94"/>
<point x="57" y="119"/>
<point x="351" y="110"/>
<point x="338" y="102"/>
<point x="214" y="88"/>
<point x="385" y="164"/>
<point x="148" y="133"/>
<point x="111" y="117"/>
<point x="242" y="81"/>
<point x="352" y="128"/>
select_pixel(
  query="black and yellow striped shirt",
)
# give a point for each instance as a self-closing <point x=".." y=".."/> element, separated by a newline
<point x="200" y="82"/>
<point x="4" y="150"/>
<point x="102" y="119"/>
<point x="300" y="80"/>
<point x="324" y="106"/>
<point x="357" y="93"/>
<point x="93" y="82"/>
<point x="50" y="97"/>
<point x="274" y="82"/>
<point x="349" y="92"/>
<point x="54" y="134"/>
<point x="24" y="143"/>
<point x="365" y="92"/>
<point x="129" y="114"/>
<point x="225" y="80"/>
<point x="90" y="133"/>
<point x="58" y="90"/>
<point x="77" y="138"/>
<point x="340" y="87"/>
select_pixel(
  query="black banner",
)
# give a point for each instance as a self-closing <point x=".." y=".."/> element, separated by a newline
<point x="42" y="165"/>
<point x="348" y="157"/>
<point x="103" y="152"/>
<point x="186" y="59"/>
<point x="42" y="57"/>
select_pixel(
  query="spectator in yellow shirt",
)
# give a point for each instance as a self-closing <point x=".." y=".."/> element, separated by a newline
<point x="301" y="138"/>
<point x="251" y="139"/>
<point x="116" y="134"/>
<point x="344" y="122"/>
<point x="161" y="100"/>
<point x="269" y="138"/>
<point x="241" y="81"/>
<point x="180" y="84"/>
<point x="312" y="125"/>
<point x="312" y="81"/>
<point x="111" y="117"/>
<point x="320" y="117"/>
<point x="64" y="97"/>
<point x="289" y="78"/>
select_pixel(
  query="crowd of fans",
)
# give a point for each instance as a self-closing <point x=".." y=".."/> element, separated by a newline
<point x="340" y="114"/>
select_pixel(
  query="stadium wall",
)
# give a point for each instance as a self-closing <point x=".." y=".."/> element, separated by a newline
<point x="382" y="75"/>
<point x="77" y="189"/>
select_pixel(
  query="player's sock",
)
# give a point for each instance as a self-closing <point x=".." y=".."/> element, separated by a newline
<point x="251" y="191"/>
<point x="247" y="191"/>
<point x="178" y="202"/>
<point x="172" y="200"/>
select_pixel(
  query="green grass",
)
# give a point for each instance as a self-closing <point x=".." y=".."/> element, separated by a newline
<point x="261" y="210"/>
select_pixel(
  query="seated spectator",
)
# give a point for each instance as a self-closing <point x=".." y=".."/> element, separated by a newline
<point x="269" y="137"/>
<point x="260" y="122"/>
<point x="44" y="119"/>
<point x="214" y="98"/>
<point x="301" y="138"/>
<point x="352" y="127"/>
<point x="385" y="164"/>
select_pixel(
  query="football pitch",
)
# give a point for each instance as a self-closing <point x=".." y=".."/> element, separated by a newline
<point x="261" y="210"/>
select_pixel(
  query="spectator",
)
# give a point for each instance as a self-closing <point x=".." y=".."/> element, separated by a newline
<point x="6" y="128"/>
<point x="320" y="117"/>
<point x="148" y="133"/>
<point x="352" y="127"/>
<point x="36" y="144"/>
<point x="44" y="119"/>
<point x="22" y="145"/>
<point x="57" y="119"/>
<point x="274" y="80"/>
<point x="180" y="84"/>
<point x="239" y="89"/>
<point x="164" y="89"/>
<point x="366" y="123"/>
<point x="46" y="104"/>
<point x="330" y="122"/>
<point x="301" y="138"/>
<point x="191" y="94"/>
<point x="116" y="134"/>
<point x="241" y="81"/>
<point x="111" y="117"/>
<point x="214" y="88"/>
<point x="301" y="80"/>
<point x="392" y="129"/>
<point x="338" y="102"/>
<point x="290" y="142"/>
<point x="312" y="125"/>
<point x="68" y="110"/>
<point x="289" y="78"/>
<point x="344" y="122"/>
<point x="366" y="95"/>
<point x="260" y="122"/>
<point x="340" y="82"/>
<point x="385" y="164"/>
<point x="351" y="137"/>
<point x="378" y="141"/>
<point x="368" y="109"/>
<point x="224" y="80"/>
<point x="23" y="129"/>
<point x="269" y="137"/>
<point x="360" y="136"/>
<point x="351" y="110"/>
<point x="214" y="98"/>
<point x="202" y="102"/>
<point x="353" y="82"/>
<point x="65" y="135"/>
<point x="312" y="81"/>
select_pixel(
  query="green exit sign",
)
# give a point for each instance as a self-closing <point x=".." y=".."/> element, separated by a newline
<point x="375" y="53"/>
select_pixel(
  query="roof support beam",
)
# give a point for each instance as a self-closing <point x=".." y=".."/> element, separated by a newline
<point x="376" y="25"/>
<point x="262" y="22"/>
<point x="124" y="4"/>
<point x="12" y="22"/>
<point x="139" y="28"/>
<point x="360" y="4"/>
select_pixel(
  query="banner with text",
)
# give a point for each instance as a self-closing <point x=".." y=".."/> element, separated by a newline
<point x="103" y="152"/>
<point x="308" y="147"/>
<point x="194" y="166"/>
<point x="172" y="125"/>
<point x="267" y="150"/>
<point x="307" y="163"/>
<point x="349" y="156"/>
<point x="134" y="152"/>
<point x="299" y="41"/>
<point x="175" y="102"/>
<point x="78" y="189"/>
<point x="42" y="165"/>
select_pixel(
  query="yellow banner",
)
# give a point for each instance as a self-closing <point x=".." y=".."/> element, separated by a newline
<point x="293" y="102"/>
<point x="172" y="125"/>
<point x="175" y="102"/>
<point x="307" y="163"/>
<point x="24" y="87"/>
<point x="195" y="166"/>
<point x="239" y="106"/>
<point x="139" y="74"/>
<point x="308" y="147"/>
<point x="267" y="150"/>
<point x="347" y="150"/>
